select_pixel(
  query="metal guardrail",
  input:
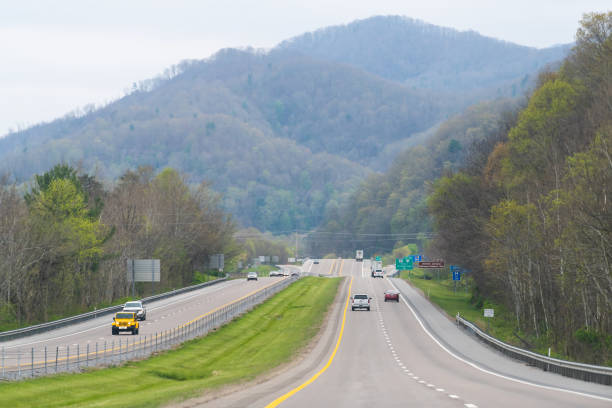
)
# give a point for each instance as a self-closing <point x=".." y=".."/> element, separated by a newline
<point x="43" y="327"/>
<point x="34" y="362"/>
<point x="585" y="372"/>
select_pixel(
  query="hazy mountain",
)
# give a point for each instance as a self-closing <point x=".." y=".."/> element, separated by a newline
<point x="286" y="134"/>
<point x="426" y="56"/>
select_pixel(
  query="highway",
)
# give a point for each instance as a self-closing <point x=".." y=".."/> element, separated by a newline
<point x="164" y="314"/>
<point x="388" y="358"/>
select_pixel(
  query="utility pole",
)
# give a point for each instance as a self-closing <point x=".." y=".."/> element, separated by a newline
<point x="296" y="245"/>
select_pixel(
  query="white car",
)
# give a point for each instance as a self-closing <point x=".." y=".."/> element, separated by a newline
<point x="135" y="306"/>
<point x="251" y="276"/>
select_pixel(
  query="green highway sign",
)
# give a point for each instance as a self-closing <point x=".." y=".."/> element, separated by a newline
<point x="404" y="264"/>
<point x="377" y="258"/>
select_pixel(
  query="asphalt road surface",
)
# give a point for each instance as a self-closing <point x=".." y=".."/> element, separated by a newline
<point x="165" y="314"/>
<point x="387" y="358"/>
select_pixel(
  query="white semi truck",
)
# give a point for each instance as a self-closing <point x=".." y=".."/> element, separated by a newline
<point x="359" y="255"/>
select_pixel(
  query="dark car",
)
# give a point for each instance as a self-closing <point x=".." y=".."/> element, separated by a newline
<point x="391" y="294"/>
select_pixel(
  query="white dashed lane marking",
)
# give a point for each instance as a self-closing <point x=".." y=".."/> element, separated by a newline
<point x="401" y="365"/>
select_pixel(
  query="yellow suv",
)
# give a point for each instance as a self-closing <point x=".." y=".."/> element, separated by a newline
<point x="125" y="321"/>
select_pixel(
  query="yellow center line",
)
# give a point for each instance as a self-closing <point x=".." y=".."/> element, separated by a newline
<point x="282" y="398"/>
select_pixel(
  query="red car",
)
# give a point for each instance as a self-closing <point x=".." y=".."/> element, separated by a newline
<point x="391" y="294"/>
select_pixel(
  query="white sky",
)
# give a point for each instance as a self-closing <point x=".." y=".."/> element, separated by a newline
<point x="56" y="56"/>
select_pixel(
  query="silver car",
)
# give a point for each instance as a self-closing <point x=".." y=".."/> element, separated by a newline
<point x="252" y="276"/>
<point x="136" y="306"/>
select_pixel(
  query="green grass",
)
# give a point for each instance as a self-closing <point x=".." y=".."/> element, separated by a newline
<point x="258" y="341"/>
<point x="440" y="291"/>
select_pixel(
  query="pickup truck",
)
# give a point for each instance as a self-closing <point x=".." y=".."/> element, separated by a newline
<point x="360" y="301"/>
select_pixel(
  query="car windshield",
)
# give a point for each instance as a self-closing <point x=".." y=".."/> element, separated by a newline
<point x="361" y="296"/>
<point x="132" y="304"/>
<point x="125" y="315"/>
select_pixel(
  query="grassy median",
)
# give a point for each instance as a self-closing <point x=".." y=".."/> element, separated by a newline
<point x="440" y="290"/>
<point x="258" y="341"/>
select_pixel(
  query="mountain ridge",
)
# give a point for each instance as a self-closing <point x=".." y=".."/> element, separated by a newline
<point x="265" y="128"/>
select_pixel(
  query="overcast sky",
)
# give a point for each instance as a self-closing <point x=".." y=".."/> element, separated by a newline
<point x="61" y="55"/>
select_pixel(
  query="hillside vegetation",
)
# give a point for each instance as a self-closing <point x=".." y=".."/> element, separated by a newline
<point x="65" y="244"/>
<point x="531" y="218"/>
<point x="285" y="135"/>
<point x="425" y="56"/>
<point x="390" y="209"/>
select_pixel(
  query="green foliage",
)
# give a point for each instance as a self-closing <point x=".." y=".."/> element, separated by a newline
<point x="396" y="202"/>
<point x="255" y="243"/>
<point x="69" y="243"/>
<point x="43" y="182"/>
<point x="533" y="210"/>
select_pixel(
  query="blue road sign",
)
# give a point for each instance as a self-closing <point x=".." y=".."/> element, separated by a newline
<point x="456" y="275"/>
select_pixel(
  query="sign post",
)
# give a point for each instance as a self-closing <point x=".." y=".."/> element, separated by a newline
<point x="456" y="271"/>
<point x="143" y="270"/>
<point x="489" y="313"/>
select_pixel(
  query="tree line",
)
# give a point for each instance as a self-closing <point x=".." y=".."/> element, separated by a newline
<point x="529" y="213"/>
<point x="64" y="244"/>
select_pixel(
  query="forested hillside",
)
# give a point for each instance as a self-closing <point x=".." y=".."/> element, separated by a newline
<point x="388" y="210"/>
<point x="425" y="56"/>
<point x="532" y="218"/>
<point x="285" y="135"/>
<point x="65" y="244"/>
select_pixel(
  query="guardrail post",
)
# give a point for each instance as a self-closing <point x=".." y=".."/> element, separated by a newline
<point x="87" y="356"/>
<point x="78" y="356"/>
<point x="97" y="356"/>
<point x="18" y="364"/>
<point x="67" y="357"/>
<point x="32" y="363"/>
<point x="56" y="355"/>
<point x="45" y="360"/>
<point x="3" y="369"/>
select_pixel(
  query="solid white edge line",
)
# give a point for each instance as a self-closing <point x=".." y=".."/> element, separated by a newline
<point x="484" y="370"/>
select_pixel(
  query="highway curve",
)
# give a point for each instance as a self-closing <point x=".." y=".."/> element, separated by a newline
<point x="386" y="358"/>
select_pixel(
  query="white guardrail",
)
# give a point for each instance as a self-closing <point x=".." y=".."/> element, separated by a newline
<point x="586" y="372"/>
<point x="32" y="362"/>
<point x="43" y="327"/>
